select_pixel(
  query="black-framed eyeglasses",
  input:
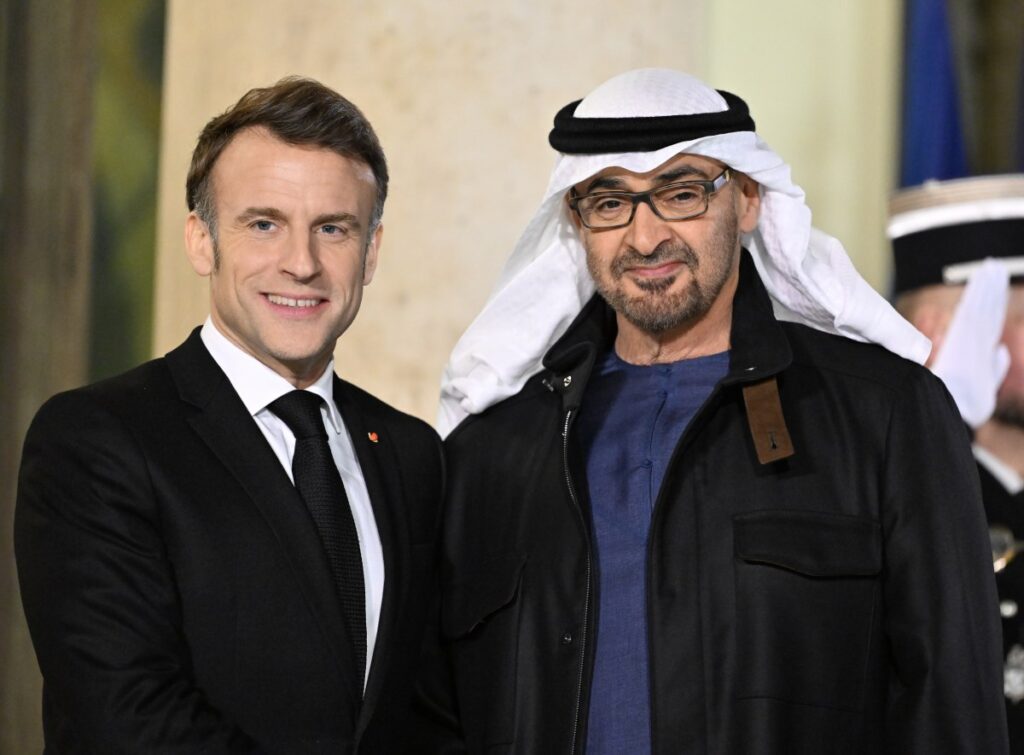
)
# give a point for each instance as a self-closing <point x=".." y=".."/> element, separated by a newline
<point x="676" y="201"/>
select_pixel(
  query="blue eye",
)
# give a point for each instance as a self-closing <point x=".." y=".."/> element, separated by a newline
<point x="263" y="225"/>
<point x="330" y="230"/>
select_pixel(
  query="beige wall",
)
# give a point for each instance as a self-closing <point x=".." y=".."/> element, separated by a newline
<point x="463" y="100"/>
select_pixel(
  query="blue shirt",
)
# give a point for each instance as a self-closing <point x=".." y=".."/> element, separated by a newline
<point x="631" y="420"/>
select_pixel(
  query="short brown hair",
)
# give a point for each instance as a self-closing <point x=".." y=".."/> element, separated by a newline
<point x="296" y="110"/>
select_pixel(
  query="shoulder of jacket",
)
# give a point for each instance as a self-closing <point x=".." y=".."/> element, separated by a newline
<point x="138" y="384"/>
<point x="507" y="414"/>
<point x="406" y="422"/>
<point x="843" y="357"/>
<point x="119" y="404"/>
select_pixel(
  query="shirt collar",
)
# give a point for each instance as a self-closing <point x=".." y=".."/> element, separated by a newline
<point x="258" y="385"/>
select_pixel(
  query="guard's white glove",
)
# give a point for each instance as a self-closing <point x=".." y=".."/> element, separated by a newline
<point x="971" y="361"/>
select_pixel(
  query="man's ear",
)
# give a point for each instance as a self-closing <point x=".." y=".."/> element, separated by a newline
<point x="372" y="252"/>
<point x="199" y="245"/>
<point x="749" y="209"/>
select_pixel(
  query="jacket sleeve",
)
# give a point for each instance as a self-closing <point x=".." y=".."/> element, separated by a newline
<point x="436" y="726"/>
<point x="941" y="614"/>
<point x="435" y="712"/>
<point x="99" y="591"/>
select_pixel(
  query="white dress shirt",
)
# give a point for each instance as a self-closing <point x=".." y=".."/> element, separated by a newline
<point x="258" y="386"/>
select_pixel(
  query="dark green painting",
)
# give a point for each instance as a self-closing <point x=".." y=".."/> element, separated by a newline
<point x="126" y="139"/>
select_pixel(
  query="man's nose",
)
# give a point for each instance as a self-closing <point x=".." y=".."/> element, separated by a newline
<point x="299" y="258"/>
<point x="647" y="231"/>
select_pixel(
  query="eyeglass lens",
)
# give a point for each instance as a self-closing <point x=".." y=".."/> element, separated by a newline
<point x="672" y="202"/>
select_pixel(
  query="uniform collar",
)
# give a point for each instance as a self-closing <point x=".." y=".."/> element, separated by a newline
<point x="1004" y="473"/>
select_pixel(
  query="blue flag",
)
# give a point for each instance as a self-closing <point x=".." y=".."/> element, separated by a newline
<point x="1019" y="166"/>
<point x="933" y="139"/>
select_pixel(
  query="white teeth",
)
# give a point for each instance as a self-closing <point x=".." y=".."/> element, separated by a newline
<point x="285" y="301"/>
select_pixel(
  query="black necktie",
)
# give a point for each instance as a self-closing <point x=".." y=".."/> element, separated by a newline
<point x="319" y="484"/>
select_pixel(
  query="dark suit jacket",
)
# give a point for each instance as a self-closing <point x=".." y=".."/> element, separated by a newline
<point x="176" y="590"/>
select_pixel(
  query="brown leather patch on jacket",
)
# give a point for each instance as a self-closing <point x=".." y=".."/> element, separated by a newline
<point x="767" y="425"/>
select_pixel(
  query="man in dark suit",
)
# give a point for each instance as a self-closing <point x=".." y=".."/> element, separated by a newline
<point x="182" y="593"/>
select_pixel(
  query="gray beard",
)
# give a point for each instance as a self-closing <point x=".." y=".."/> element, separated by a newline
<point x="658" y="311"/>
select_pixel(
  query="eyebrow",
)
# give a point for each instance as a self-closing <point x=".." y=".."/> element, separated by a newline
<point x="251" y="213"/>
<point x="616" y="183"/>
<point x="272" y="213"/>
<point x="338" y="218"/>
<point x="683" y="171"/>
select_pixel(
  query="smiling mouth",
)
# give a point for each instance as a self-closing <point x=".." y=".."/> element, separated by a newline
<point x="285" y="301"/>
<point x="655" y="271"/>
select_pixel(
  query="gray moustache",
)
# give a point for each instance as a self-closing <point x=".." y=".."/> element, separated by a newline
<point x="663" y="254"/>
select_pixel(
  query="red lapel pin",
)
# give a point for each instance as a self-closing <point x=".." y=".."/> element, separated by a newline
<point x="373" y="437"/>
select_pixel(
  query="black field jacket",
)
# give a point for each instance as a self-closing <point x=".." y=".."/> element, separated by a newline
<point x="818" y="570"/>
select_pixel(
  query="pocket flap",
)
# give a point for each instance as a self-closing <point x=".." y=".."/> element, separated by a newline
<point x="467" y="603"/>
<point x="810" y="543"/>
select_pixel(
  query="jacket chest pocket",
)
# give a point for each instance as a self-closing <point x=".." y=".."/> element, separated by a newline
<point x="807" y="590"/>
<point x="480" y="621"/>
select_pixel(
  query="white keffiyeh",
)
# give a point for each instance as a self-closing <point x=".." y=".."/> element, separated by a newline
<point x="545" y="282"/>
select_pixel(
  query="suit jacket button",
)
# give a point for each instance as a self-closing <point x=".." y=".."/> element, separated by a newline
<point x="567" y="638"/>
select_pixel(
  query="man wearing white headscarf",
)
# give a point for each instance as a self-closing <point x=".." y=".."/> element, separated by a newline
<point x="716" y="508"/>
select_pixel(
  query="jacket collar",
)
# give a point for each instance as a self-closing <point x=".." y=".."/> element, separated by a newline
<point x="758" y="346"/>
<point x="230" y="432"/>
<point x="372" y="439"/>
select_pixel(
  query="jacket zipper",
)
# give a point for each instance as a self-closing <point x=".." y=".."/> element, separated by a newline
<point x="651" y="540"/>
<point x="586" y="600"/>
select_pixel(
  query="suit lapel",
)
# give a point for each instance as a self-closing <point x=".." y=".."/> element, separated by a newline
<point x="231" y="433"/>
<point x="376" y="455"/>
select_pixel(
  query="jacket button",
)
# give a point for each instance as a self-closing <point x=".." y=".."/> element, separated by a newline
<point x="567" y="381"/>
<point x="566" y="638"/>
